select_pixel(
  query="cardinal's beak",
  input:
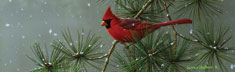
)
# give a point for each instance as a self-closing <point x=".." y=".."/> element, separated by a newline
<point x="103" y="23"/>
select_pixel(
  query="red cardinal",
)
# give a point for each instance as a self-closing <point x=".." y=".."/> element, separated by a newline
<point x="124" y="29"/>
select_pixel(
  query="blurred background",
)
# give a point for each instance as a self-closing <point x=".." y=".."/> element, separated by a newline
<point x="24" y="22"/>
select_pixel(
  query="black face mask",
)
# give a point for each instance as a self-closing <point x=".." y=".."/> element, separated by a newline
<point x="108" y="21"/>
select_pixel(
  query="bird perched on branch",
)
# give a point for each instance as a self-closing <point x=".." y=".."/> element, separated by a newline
<point x="125" y="29"/>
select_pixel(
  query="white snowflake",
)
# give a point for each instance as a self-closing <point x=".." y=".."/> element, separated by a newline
<point x="191" y="31"/>
<point x="45" y="2"/>
<point x="167" y="14"/>
<point x="42" y="11"/>
<point x="89" y="4"/>
<point x="81" y="52"/>
<point x="7" y="25"/>
<point x="30" y="16"/>
<point x="17" y="69"/>
<point x="101" y="46"/>
<point x="22" y="9"/>
<point x="89" y="45"/>
<point x="23" y="37"/>
<point x="39" y="35"/>
<point x="70" y="44"/>
<point x="50" y="31"/>
<point x="55" y="34"/>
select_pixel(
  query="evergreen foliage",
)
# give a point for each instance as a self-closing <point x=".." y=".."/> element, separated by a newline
<point x="157" y="52"/>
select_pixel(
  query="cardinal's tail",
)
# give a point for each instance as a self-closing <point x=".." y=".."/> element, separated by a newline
<point x="174" y="22"/>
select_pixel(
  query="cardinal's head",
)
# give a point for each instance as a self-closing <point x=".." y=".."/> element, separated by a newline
<point x="109" y="18"/>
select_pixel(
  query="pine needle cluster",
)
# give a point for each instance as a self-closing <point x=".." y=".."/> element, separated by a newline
<point x="206" y="45"/>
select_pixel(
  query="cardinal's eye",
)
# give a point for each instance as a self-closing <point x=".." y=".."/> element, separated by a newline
<point x="108" y="21"/>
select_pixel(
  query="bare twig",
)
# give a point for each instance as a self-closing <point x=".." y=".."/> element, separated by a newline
<point x="101" y="57"/>
<point x="113" y="46"/>
<point x="173" y="28"/>
<point x="136" y="17"/>
<point x="142" y="10"/>
<point x="129" y="52"/>
<point x="108" y="56"/>
<point x="176" y="33"/>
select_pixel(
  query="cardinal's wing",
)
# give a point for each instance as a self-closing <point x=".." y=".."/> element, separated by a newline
<point x="134" y="24"/>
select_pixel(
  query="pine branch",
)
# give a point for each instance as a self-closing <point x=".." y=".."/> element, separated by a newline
<point x="178" y="34"/>
<point x="101" y="57"/>
<point x="54" y="62"/>
<point x="136" y="17"/>
<point x="173" y="28"/>
<point x="152" y="54"/>
<point x="109" y="54"/>
<point x="79" y="51"/>
<point x="214" y="50"/>
<point x="132" y="8"/>
<point x="199" y="10"/>
<point x="130" y="53"/>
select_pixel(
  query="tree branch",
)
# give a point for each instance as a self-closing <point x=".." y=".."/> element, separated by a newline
<point x="101" y="57"/>
<point x="142" y="10"/>
<point x="173" y="28"/>
<point x="108" y="56"/>
<point x="176" y="33"/>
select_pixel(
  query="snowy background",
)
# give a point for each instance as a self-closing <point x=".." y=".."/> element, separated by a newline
<point x="24" y="22"/>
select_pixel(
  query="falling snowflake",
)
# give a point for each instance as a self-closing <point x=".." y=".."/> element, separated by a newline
<point x="231" y="66"/>
<point x="22" y="9"/>
<point x="50" y="31"/>
<point x="42" y="11"/>
<point x="17" y="69"/>
<point x="10" y="61"/>
<point x="5" y="64"/>
<point x="45" y="2"/>
<point x="57" y="14"/>
<point x="191" y="31"/>
<point x="162" y="65"/>
<point x="46" y="22"/>
<point x="89" y="4"/>
<point x="70" y="44"/>
<point x="55" y="34"/>
<point x="82" y="33"/>
<point x="7" y="25"/>
<point x="23" y="37"/>
<point x="39" y="35"/>
<point x="167" y="14"/>
<point x="30" y="16"/>
<point x="101" y="46"/>
<point x="89" y="45"/>
<point x="133" y="24"/>
<point x="12" y="36"/>
<point x="117" y="65"/>
<point x="81" y="52"/>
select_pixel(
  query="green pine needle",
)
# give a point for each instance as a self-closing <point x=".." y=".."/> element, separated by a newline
<point x="153" y="54"/>
<point x="199" y="10"/>
<point x="45" y="62"/>
<point x="79" y="51"/>
<point x="130" y="8"/>
<point x="214" y="50"/>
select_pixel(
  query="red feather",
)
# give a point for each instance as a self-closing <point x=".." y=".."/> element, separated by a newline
<point x="123" y="29"/>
